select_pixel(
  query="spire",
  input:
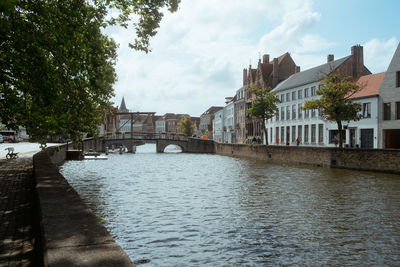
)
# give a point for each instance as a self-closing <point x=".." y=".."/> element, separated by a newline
<point x="122" y="106"/>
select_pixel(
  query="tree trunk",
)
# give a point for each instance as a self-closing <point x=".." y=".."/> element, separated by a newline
<point x="264" y="131"/>
<point x="339" y="123"/>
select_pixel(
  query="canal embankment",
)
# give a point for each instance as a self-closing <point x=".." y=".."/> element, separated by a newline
<point x="70" y="233"/>
<point x="377" y="160"/>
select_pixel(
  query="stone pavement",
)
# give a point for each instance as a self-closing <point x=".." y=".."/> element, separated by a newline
<point x="16" y="212"/>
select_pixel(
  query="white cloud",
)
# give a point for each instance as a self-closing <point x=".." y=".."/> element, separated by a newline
<point x="378" y="53"/>
<point x="200" y="51"/>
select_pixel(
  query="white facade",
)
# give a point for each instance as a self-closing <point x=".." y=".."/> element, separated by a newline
<point x="229" y="123"/>
<point x="291" y="122"/>
<point x="218" y="125"/>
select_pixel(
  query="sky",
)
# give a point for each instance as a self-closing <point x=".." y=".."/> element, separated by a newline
<point x="200" y="51"/>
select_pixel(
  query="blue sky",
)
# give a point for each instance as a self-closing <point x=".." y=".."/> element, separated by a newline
<point x="200" y="51"/>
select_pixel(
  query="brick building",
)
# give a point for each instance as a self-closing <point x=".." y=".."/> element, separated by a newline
<point x="267" y="74"/>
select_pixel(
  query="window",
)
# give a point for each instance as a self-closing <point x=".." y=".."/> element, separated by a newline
<point x="398" y="79"/>
<point x="386" y="111"/>
<point x="306" y="93"/>
<point x="282" y="135"/>
<point x="366" y="110"/>
<point x="293" y="134"/>
<point x="294" y="95"/>
<point x="313" y="133"/>
<point x="313" y="91"/>
<point x="277" y="135"/>
<point x="293" y="112"/>
<point x="313" y="113"/>
<point x="333" y="133"/>
<point x="305" y="133"/>
<point x="320" y="133"/>
<point x="287" y="97"/>
<point x="397" y="110"/>
<point x="307" y="114"/>
<point x="300" y="112"/>
<point x="270" y="135"/>
<point x="282" y="98"/>
<point x="277" y="115"/>
<point x="283" y="113"/>
<point x="287" y="113"/>
<point x="299" y="132"/>
<point x="300" y="94"/>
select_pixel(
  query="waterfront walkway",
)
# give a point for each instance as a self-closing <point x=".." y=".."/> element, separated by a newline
<point x="16" y="212"/>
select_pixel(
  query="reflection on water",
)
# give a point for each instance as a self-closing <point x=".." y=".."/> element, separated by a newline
<point x="175" y="209"/>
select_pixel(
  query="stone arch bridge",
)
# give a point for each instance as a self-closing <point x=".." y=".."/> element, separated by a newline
<point x="187" y="145"/>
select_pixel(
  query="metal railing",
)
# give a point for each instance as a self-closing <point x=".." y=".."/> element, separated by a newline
<point x="145" y="136"/>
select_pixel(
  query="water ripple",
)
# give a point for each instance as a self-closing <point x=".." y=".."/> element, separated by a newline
<point x="207" y="210"/>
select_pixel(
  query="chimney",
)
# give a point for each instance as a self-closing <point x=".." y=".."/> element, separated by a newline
<point x="358" y="60"/>
<point x="330" y="58"/>
<point x="266" y="58"/>
<point x="275" y="72"/>
<point x="296" y="69"/>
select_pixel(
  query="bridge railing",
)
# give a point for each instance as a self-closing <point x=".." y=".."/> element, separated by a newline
<point x="146" y="136"/>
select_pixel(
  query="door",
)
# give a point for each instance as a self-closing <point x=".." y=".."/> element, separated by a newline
<point x="287" y="135"/>
<point x="367" y="138"/>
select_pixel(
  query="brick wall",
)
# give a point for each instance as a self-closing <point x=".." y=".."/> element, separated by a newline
<point x="358" y="159"/>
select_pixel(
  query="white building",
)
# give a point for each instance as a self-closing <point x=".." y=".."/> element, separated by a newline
<point x="218" y="126"/>
<point x="229" y="121"/>
<point x="240" y="116"/>
<point x="291" y="122"/>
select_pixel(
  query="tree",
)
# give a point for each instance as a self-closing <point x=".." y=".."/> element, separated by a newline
<point x="186" y="126"/>
<point x="264" y="106"/>
<point x="335" y="104"/>
<point x="56" y="66"/>
<point x="147" y="17"/>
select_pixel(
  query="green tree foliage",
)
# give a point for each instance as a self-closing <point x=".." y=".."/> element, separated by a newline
<point x="335" y="104"/>
<point x="145" y="16"/>
<point x="56" y="66"/>
<point x="186" y="126"/>
<point x="264" y="106"/>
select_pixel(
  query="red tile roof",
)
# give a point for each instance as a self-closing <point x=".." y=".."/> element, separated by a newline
<point x="369" y="84"/>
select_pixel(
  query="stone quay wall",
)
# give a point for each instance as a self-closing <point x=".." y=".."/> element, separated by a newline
<point x="379" y="160"/>
<point x="71" y="234"/>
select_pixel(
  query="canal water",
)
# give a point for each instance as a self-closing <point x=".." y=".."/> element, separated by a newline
<point x="176" y="209"/>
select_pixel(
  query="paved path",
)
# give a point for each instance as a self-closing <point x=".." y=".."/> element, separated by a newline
<point x="16" y="212"/>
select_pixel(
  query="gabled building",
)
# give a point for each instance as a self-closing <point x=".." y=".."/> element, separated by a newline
<point x="291" y="122"/>
<point x="267" y="74"/>
<point x="389" y="103"/>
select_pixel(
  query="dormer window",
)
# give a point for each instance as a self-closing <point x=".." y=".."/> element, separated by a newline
<point x="398" y="79"/>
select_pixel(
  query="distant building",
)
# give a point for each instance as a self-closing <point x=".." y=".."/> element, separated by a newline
<point x="240" y="116"/>
<point x="206" y="121"/>
<point x="389" y="105"/>
<point x="218" y="125"/>
<point x="196" y="124"/>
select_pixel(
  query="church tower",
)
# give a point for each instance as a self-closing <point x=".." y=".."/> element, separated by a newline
<point x="122" y="107"/>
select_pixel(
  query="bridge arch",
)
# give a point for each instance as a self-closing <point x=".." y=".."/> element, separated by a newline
<point x="162" y="144"/>
<point x="171" y="146"/>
